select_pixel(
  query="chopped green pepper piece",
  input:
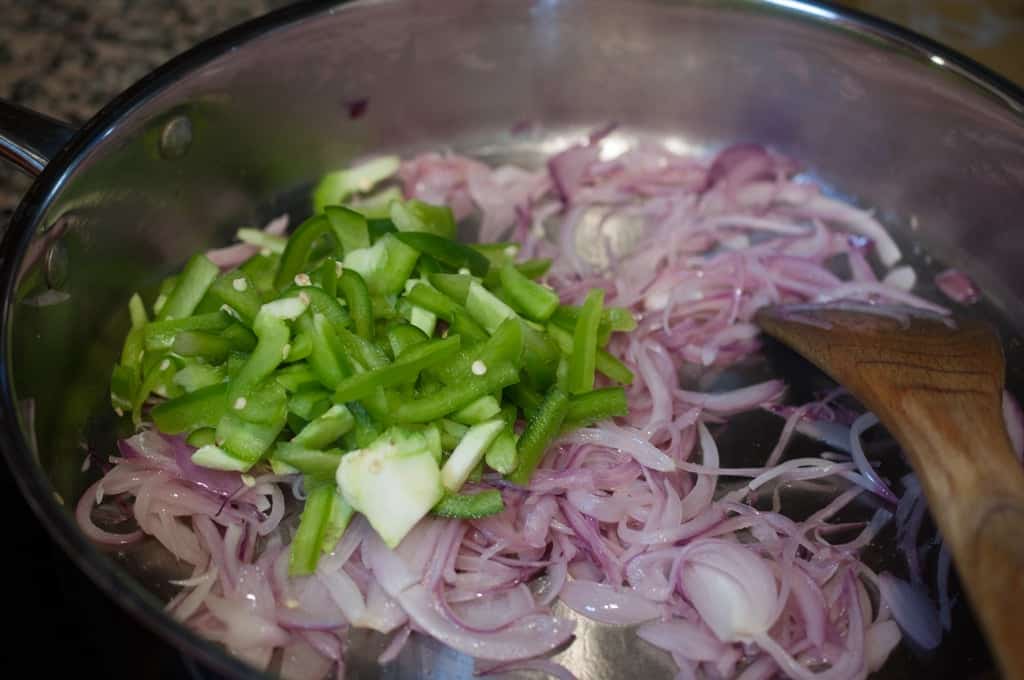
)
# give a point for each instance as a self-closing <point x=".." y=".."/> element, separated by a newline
<point x="604" y="362"/>
<point x="534" y="269"/>
<point x="309" y="402"/>
<point x="318" y="464"/>
<point x="540" y="431"/>
<point x="202" y="408"/>
<point x="455" y="286"/>
<point x="199" y="273"/>
<point x="532" y="299"/>
<point x="484" y="408"/>
<point x="237" y="291"/>
<point x="200" y="344"/>
<point x="469" y="506"/>
<point x="357" y="295"/>
<point x="405" y="369"/>
<point x="160" y="334"/>
<point x="296" y="253"/>
<point x="295" y="377"/>
<point x="273" y="334"/>
<point x="385" y="266"/>
<point x="417" y="216"/>
<point x="403" y="336"/>
<point x="325" y="429"/>
<point x="349" y="227"/>
<point x="309" y="538"/>
<point x="584" y="344"/>
<point x="486" y="308"/>
<point x="502" y="455"/>
<point x="336" y="186"/>
<point x="434" y="406"/>
<point x="196" y="376"/>
<point x="137" y="311"/>
<point x="591" y="407"/>
<point x="447" y="252"/>
<point x="204" y="436"/>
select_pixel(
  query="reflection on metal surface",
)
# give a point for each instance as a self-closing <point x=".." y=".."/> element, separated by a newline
<point x="709" y="74"/>
<point x="176" y="137"/>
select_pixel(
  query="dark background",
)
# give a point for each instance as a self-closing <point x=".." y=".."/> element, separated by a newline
<point x="67" y="58"/>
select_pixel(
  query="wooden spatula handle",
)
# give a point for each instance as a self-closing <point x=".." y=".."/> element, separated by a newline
<point x="975" y="488"/>
<point x="938" y="388"/>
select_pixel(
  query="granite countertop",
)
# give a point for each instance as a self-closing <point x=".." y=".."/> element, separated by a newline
<point x="67" y="58"/>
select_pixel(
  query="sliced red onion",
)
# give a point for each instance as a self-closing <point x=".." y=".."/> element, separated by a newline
<point x="683" y="637"/>
<point x="732" y="588"/>
<point x="912" y="609"/>
<point x="603" y="603"/>
<point x="531" y="636"/>
<point x="217" y="481"/>
<point x="957" y="286"/>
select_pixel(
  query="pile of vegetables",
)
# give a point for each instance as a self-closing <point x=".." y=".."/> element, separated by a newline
<point x="383" y="360"/>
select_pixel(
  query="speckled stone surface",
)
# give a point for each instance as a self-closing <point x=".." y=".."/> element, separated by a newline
<point x="67" y="58"/>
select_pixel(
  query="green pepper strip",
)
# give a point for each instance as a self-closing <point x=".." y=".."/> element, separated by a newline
<point x="199" y="273"/>
<point x="505" y="345"/>
<point x="584" y="344"/>
<point x="357" y="295"/>
<point x="540" y="357"/>
<point x="327" y="364"/>
<point x="204" y="436"/>
<point x="469" y="506"/>
<point x="293" y="260"/>
<point x="296" y="377"/>
<point x="273" y="334"/>
<point x="211" y="347"/>
<point x="159" y="335"/>
<point x="597" y="405"/>
<point x="320" y="302"/>
<point x="455" y="314"/>
<point x="540" y="431"/>
<point x="455" y="286"/>
<point x="337" y="521"/>
<point x="364" y="351"/>
<point x="417" y="216"/>
<point x="202" y="408"/>
<point x="447" y="252"/>
<point x="309" y="403"/>
<point x="404" y="336"/>
<point x="534" y="269"/>
<point x="349" y="227"/>
<point x="532" y="299"/>
<point x="237" y="291"/>
<point x="325" y="429"/>
<point x="502" y="455"/>
<point x="604" y="362"/>
<point x="312" y="462"/>
<point x="137" y="311"/>
<point x="305" y="550"/>
<point x="247" y="433"/>
<point x="404" y="370"/>
<point x="434" y="406"/>
<point x="261" y="269"/>
<point x="325" y="277"/>
<point x="239" y="337"/>
<point x="196" y="376"/>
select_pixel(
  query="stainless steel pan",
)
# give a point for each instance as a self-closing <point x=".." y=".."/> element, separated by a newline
<point x="235" y="130"/>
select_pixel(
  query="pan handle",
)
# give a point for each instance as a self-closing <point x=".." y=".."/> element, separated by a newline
<point x="29" y="139"/>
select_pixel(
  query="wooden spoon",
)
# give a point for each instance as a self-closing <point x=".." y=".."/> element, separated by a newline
<point x="938" y="388"/>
